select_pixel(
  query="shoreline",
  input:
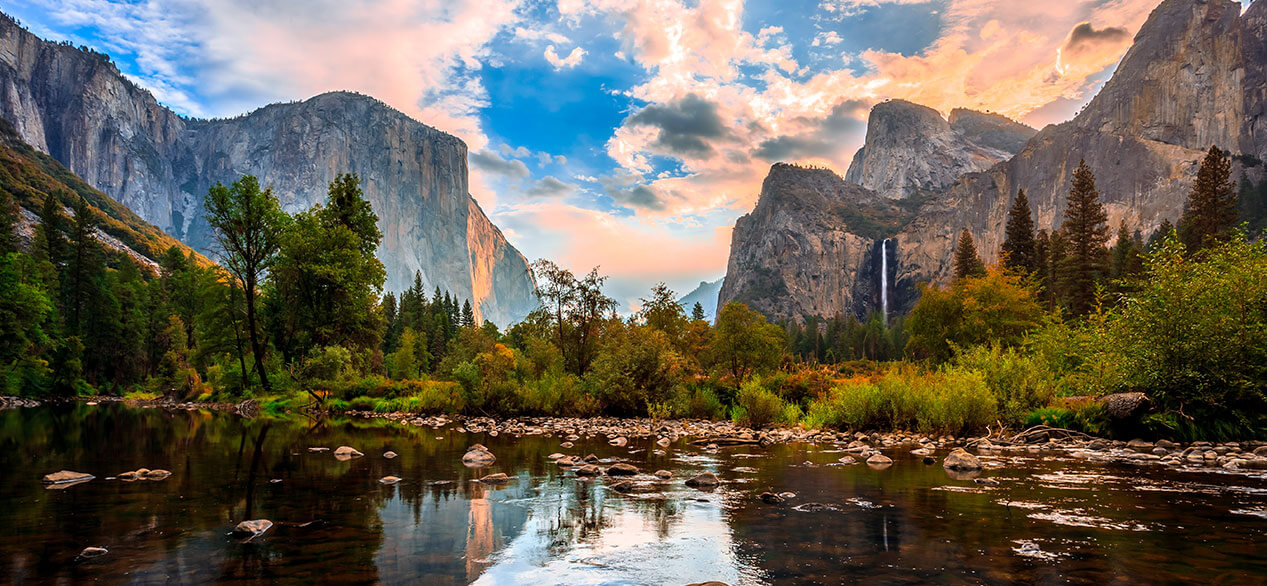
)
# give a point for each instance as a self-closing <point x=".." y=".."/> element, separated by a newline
<point x="1232" y="456"/>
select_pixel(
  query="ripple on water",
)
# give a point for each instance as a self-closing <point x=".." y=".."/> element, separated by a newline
<point x="1079" y="518"/>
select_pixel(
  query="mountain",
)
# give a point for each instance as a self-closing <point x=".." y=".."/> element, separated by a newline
<point x="706" y="295"/>
<point x="31" y="176"/>
<point x="1196" y="75"/>
<point x="76" y="106"/>
<point x="910" y="148"/>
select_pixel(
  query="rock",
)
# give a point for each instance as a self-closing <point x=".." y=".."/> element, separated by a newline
<point x="93" y="552"/>
<point x="663" y="442"/>
<point x="67" y="477"/>
<point x="318" y="449"/>
<point x="347" y="453"/>
<point x="565" y="462"/>
<point x="1260" y="451"/>
<point x="389" y="454"/>
<point x="663" y="474"/>
<point x="591" y="458"/>
<point x="566" y="445"/>
<point x="619" y="441"/>
<point x="930" y="460"/>
<point x="253" y="528"/>
<point x="497" y="478"/>
<point x="703" y="480"/>
<point x="157" y="474"/>
<point x="1139" y="444"/>
<point x="986" y="481"/>
<point x="770" y="498"/>
<point x="249" y="408"/>
<point x="389" y="479"/>
<point x="921" y="452"/>
<point x="622" y="469"/>
<point x="478" y="456"/>
<point x="960" y="460"/>
<point x="879" y="460"/>
<point x="589" y="470"/>
<point x="1167" y="444"/>
<point x="554" y="456"/>
<point x="1124" y="405"/>
<point x="847" y="460"/>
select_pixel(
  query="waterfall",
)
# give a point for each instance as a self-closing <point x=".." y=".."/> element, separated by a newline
<point x="884" y="279"/>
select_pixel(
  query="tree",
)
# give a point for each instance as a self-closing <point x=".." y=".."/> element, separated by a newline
<point x="1210" y="213"/>
<point x="248" y="224"/>
<point x="1019" y="246"/>
<point x="1085" y="230"/>
<point x="1165" y="229"/>
<point x="995" y="308"/>
<point x="744" y="343"/>
<point x="967" y="263"/>
<point x="468" y="315"/>
<point x="1126" y="253"/>
<point x="662" y="312"/>
<point x="8" y="223"/>
<point x="697" y="312"/>
<point x="556" y="288"/>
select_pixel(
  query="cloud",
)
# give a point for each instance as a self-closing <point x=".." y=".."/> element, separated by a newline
<point x="1087" y="47"/>
<point x="492" y="163"/>
<point x="683" y="125"/>
<point x="550" y="186"/>
<point x="527" y="34"/>
<point x="572" y="60"/>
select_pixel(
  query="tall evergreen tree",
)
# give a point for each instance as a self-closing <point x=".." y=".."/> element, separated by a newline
<point x="697" y="312"/>
<point x="248" y="223"/>
<point x="967" y="263"/>
<point x="1086" y="232"/>
<point x="1042" y="260"/>
<point x="468" y="315"/>
<point x="1018" y="244"/>
<point x="1160" y="234"/>
<point x="8" y="223"/>
<point x="1057" y="251"/>
<point x="1211" y="210"/>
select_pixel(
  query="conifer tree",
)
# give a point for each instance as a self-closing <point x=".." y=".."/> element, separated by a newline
<point x="967" y="263"/>
<point x="1057" y="250"/>
<point x="1211" y="210"/>
<point x="1018" y="244"/>
<point x="697" y="312"/>
<point x="1160" y="234"/>
<point x="8" y="223"/>
<point x="1086" y="232"/>
<point x="1042" y="260"/>
<point x="468" y="315"/>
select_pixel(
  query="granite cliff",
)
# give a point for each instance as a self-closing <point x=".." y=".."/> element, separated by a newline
<point x="76" y="106"/>
<point x="1195" y="76"/>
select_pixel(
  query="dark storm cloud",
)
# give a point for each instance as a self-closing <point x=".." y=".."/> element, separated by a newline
<point x="824" y="138"/>
<point x="1085" y="37"/>
<point x="550" y="187"/>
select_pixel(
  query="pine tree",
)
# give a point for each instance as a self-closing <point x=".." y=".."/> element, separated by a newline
<point x="1018" y="245"/>
<point x="8" y="223"/>
<point x="967" y="263"/>
<point x="1042" y="260"/>
<point x="1057" y="251"/>
<point x="697" y="312"/>
<point x="1164" y="230"/>
<point x="468" y="315"/>
<point x="1211" y="210"/>
<point x="1086" y="232"/>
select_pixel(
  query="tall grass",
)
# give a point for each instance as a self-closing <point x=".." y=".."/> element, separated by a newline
<point x="934" y="402"/>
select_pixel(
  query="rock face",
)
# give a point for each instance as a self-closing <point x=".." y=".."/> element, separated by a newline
<point x="77" y="107"/>
<point x="910" y="148"/>
<point x="1195" y="76"/>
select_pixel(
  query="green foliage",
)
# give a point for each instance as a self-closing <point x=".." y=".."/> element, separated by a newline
<point x="967" y="262"/>
<point x="1210" y="213"/>
<point x="758" y="407"/>
<point x="637" y="367"/>
<point x="1085" y="416"/>
<point x="939" y="402"/>
<point x="744" y="343"/>
<point x="1019" y="253"/>
<point x="995" y="308"/>
<point x="698" y="402"/>
<point x="1085" y="231"/>
<point x="1019" y="381"/>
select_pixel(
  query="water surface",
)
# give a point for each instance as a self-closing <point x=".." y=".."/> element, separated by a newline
<point x="1050" y="519"/>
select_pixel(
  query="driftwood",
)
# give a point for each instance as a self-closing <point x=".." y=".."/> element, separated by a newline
<point x="1038" y="431"/>
<point x="725" y="441"/>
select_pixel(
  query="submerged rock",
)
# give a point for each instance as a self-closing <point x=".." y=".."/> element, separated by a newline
<point x="497" y="478"/>
<point x="347" y="453"/>
<point x="879" y="460"/>
<point x="92" y="552"/>
<point x="389" y="454"/>
<point x="960" y="460"/>
<point x="703" y="480"/>
<point x="663" y="474"/>
<point x="478" y="456"/>
<point x="619" y="441"/>
<point x="622" y="469"/>
<point x="389" y="479"/>
<point x="315" y="450"/>
<point x="67" y="477"/>
<point x="770" y="498"/>
<point x="253" y="527"/>
<point x="157" y="474"/>
<point x="589" y="470"/>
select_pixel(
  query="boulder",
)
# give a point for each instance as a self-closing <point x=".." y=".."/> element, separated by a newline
<point x="253" y="527"/>
<point x="157" y="474"/>
<point x="958" y="459"/>
<point x="663" y="474"/>
<point x="619" y="441"/>
<point x="92" y="552"/>
<point x="847" y="460"/>
<point x="554" y="456"/>
<point x="622" y="469"/>
<point x="498" y="478"/>
<point x="770" y="498"/>
<point x="565" y="461"/>
<point x="390" y="454"/>
<point x="478" y="456"/>
<point x="879" y="459"/>
<point x="347" y="453"/>
<point x="663" y="442"/>
<point x="389" y="479"/>
<point x="703" y="480"/>
<point x="67" y="477"/>
<point x="1124" y="405"/>
<point x="589" y="470"/>
<point x="591" y="458"/>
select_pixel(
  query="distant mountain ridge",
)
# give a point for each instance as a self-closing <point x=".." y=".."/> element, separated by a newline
<point x="706" y="295"/>
<point x="1195" y="76"/>
<point x="77" y="107"/>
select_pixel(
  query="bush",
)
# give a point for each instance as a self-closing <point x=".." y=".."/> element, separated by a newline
<point x="941" y="402"/>
<point x="1019" y="381"/>
<point x="758" y="406"/>
<point x="998" y="308"/>
<point x="699" y="403"/>
<point x="1085" y="416"/>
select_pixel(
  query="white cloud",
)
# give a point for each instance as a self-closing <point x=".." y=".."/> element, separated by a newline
<point x="572" y="60"/>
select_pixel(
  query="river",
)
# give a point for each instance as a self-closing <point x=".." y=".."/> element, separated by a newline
<point x="1050" y="518"/>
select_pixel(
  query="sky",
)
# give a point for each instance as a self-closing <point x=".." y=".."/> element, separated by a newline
<point x="624" y="134"/>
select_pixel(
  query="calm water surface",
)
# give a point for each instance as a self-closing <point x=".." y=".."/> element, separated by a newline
<point x="1050" y="520"/>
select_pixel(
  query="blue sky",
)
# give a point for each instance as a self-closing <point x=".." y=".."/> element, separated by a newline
<point x="623" y="133"/>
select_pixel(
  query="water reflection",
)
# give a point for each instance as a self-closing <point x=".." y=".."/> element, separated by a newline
<point x="1047" y="519"/>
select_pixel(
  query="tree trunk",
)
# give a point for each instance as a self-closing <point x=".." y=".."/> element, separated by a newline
<point x="254" y="336"/>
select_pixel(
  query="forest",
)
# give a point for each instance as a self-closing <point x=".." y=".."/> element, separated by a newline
<point x="295" y="316"/>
